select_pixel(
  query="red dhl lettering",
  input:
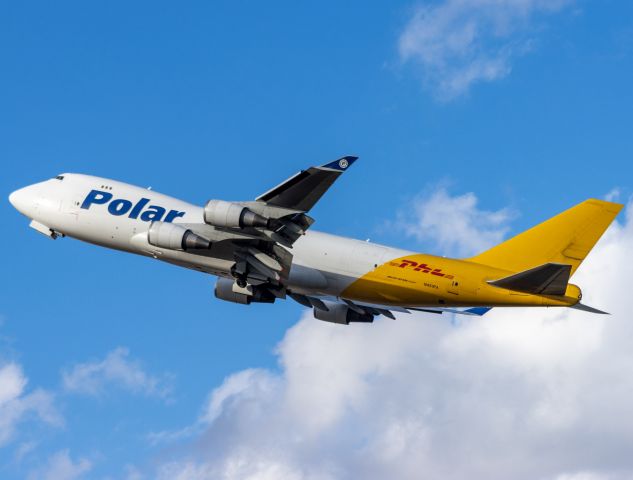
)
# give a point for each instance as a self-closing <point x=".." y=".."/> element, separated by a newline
<point x="421" y="267"/>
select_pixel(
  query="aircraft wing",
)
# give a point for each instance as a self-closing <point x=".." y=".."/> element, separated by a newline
<point x="301" y="191"/>
<point x="285" y="206"/>
<point x="325" y="303"/>
<point x="261" y="249"/>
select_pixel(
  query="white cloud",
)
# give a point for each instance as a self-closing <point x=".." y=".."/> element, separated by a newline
<point x="24" y="449"/>
<point x="61" y="467"/>
<point x="455" y="224"/>
<point x="583" y="476"/>
<point x="458" y="43"/>
<point x="613" y="195"/>
<point x="133" y="473"/>
<point x="16" y="406"/>
<point x="250" y="383"/>
<point x="116" y="369"/>
<point x="521" y="394"/>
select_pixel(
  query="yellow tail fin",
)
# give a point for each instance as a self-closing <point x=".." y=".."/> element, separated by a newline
<point x="566" y="238"/>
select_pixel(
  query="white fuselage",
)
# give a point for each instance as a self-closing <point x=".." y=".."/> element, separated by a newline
<point x="118" y="217"/>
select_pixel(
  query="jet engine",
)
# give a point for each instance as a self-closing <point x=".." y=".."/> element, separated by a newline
<point x="220" y="213"/>
<point x="174" y="237"/>
<point x="339" y="313"/>
<point x="224" y="291"/>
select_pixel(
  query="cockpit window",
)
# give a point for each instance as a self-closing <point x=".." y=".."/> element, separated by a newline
<point x="59" y="177"/>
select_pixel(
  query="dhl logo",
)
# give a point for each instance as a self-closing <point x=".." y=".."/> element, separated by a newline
<point x="421" y="267"/>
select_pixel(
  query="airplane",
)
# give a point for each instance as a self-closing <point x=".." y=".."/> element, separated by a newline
<point x="263" y="250"/>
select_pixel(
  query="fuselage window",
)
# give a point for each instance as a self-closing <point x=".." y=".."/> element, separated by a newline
<point x="59" y="177"/>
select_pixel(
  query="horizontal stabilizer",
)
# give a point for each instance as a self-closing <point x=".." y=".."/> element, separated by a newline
<point x="547" y="279"/>
<point x="587" y="308"/>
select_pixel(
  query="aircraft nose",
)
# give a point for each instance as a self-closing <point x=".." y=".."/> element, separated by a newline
<point x="21" y="200"/>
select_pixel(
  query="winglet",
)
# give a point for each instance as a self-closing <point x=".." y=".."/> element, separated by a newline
<point x="301" y="191"/>
<point x="341" y="164"/>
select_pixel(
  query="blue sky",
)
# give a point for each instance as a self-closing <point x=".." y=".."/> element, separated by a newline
<point x="226" y="99"/>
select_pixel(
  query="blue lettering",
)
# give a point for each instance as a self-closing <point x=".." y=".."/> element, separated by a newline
<point x="97" y="197"/>
<point x="173" y="214"/>
<point x="119" y="207"/>
<point x="138" y="207"/>
<point x="153" y="213"/>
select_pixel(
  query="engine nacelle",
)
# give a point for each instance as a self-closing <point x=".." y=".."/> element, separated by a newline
<point x="224" y="291"/>
<point x="174" y="237"/>
<point x="220" y="213"/>
<point x="339" y="313"/>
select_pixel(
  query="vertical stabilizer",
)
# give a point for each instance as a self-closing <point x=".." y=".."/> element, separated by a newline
<point x="564" y="239"/>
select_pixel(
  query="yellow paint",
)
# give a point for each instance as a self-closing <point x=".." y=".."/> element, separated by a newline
<point x="427" y="280"/>
<point x="566" y="238"/>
